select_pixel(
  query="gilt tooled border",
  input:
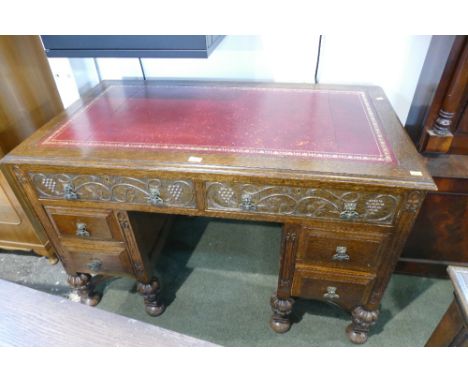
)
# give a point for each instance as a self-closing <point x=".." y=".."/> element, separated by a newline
<point x="384" y="151"/>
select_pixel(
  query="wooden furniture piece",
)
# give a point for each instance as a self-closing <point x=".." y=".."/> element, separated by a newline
<point x="332" y="164"/>
<point x="440" y="235"/>
<point x="34" y="318"/>
<point x="28" y="99"/>
<point x="452" y="329"/>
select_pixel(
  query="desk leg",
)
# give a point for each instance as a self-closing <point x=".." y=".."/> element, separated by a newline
<point x="150" y="292"/>
<point x="282" y="302"/>
<point x="81" y="283"/>
<point x="363" y="319"/>
<point x="280" y="321"/>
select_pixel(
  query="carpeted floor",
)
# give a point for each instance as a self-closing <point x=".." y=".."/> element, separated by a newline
<point x="217" y="278"/>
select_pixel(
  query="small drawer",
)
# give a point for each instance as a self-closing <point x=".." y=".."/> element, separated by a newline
<point x="117" y="262"/>
<point x="99" y="258"/>
<point x="342" y="289"/>
<point x="85" y="224"/>
<point x="355" y="249"/>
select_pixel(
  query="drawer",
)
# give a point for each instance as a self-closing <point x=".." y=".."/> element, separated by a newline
<point x="119" y="189"/>
<point x="343" y="289"/>
<point x="87" y="224"/>
<point x="339" y="247"/>
<point x="102" y="258"/>
<point x="318" y="203"/>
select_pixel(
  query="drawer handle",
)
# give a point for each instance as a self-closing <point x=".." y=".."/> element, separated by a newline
<point x="341" y="254"/>
<point x="82" y="230"/>
<point x="69" y="192"/>
<point x="154" y="197"/>
<point x="331" y="293"/>
<point x="349" y="211"/>
<point x="247" y="203"/>
<point x="95" y="265"/>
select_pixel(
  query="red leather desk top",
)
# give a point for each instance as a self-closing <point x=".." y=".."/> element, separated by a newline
<point x="252" y="120"/>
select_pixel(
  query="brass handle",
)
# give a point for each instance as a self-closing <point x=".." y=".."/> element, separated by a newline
<point x="247" y="204"/>
<point x="82" y="230"/>
<point x="349" y="212"/>
<point x="94" y="265"/>
<point x="341" y="254"/>
<point x="331" y="293"/>
<point x="69" y="192"/>
<point x="154" y="197"/>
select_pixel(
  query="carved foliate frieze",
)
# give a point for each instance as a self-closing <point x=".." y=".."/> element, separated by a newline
<point x="320" y="203"/>
<point x="107" y="188"/>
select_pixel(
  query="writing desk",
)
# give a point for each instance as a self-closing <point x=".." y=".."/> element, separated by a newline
<point x="332" y="164"/>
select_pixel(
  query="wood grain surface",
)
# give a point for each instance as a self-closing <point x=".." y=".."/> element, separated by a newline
<point x="32" y="318"/>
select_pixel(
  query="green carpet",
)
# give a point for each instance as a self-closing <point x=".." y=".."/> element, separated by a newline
<point x="217" y="278"/>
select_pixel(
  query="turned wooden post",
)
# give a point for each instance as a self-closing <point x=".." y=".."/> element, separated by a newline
<point x="439" y="137"/>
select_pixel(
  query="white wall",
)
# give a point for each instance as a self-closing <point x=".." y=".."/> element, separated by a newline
<point x="392" y="62"/>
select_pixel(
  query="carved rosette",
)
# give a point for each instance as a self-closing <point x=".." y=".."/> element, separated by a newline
<point x="20" y="174"/>
<point x="107" y="188"/>
<point x="150" y="292"/>
<point x="297" y="201"/>
<point x="413" y="201"/>
<point x="280" y="321"/>
<point x="362" y="320"/>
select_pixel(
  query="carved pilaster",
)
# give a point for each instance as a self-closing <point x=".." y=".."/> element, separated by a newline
<point x="134" y="252"/>
<point x="281" y="302"/>
<point x="288" y="259"/>
<point x="81" y="283"/>
<point x="150" y="293"/>
<point x="362" y="319"/>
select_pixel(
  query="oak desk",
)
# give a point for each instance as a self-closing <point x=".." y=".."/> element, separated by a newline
<point x="332" y="164"/>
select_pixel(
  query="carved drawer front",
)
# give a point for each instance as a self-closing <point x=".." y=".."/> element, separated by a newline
<point x="86" y="224"/>
<point x="317" y="203"/>
<point x="357" y="249"/>
<point x="120" y="189"/>
<point x="339" y="288"/>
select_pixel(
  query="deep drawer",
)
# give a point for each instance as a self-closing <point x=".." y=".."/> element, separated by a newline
<point x="338" y="247"/>
<point x="317" y="203"/>
<point x="343" y="289"/>
<point x="86" y="224"/>
<point x="120" y="189"/>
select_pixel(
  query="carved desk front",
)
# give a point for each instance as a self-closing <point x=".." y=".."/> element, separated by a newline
<point x="332" y="164"/>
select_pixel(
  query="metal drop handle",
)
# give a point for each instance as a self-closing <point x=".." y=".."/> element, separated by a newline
<point x="94" y="265"/>
<point x="154" y="197"/>
<point x="341" y="254"/>
<point x="349" y="211"/>
<point x="331" y="293"/>
<point x="82" y="230"/>
<point x="246" y="203"/>
<point x="69" y="192"/>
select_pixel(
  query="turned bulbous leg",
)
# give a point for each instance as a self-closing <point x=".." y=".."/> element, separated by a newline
<point x="52" y="259"/>
<point x="363" y="319"/>
<point x="80" y="282"/>
<point x="280" y="321"/>
<point x="150" y="292"/>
